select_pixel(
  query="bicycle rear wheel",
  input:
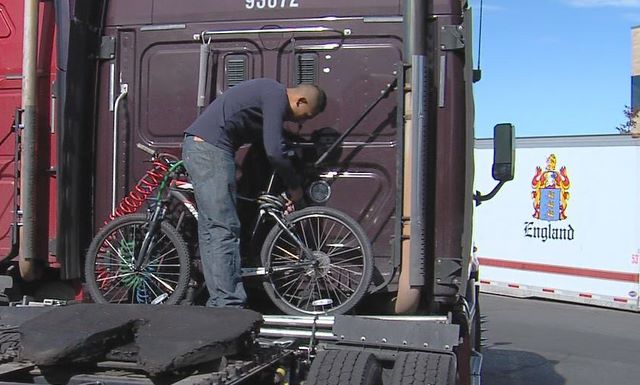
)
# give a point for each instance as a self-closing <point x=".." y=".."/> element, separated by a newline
<point x="110" y="272"/>
<point x="339" y="268"/>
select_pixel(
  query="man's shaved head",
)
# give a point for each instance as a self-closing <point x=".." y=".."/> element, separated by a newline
<point x="315" y="95"/>
<point x="306" y="101"/>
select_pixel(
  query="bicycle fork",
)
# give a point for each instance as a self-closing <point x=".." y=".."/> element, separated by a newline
<point x="150" y="236"/>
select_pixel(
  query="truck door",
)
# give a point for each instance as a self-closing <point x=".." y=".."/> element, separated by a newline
<point x="157" y="71"/>
<point x="353" y="69"/>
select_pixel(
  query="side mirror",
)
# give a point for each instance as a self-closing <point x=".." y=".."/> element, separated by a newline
<point x="503" y="152"/>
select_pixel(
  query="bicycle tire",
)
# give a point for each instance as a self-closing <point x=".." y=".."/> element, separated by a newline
<point x="330" y="271"/>
<point x="156" y="278"/>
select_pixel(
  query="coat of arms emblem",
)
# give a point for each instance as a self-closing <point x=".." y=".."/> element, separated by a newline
<point x="550" y="191"/>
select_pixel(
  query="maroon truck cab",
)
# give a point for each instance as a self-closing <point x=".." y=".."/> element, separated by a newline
<point x="398" y="75"/>
<point x="140" y="72"/>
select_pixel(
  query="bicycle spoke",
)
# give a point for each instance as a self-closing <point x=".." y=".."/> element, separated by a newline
<point x="120" y="289"/>
<point x="163" y="236"/>
<point x="292" y="296"/>
<point x="164" y="277"/>
<point x="340" y="283"/>
<point x="300" y="281"/>
<point x="164" y="265"/>
<point x="286" y="277"/>
<point x="344" y="251"/>
<point x="327" y="286"/>
<point x="334" y="244"/>
<point x="166" y="285"/>
<point x="342" y="268"/>
<point x="284" y="239"/>
<point x="304" y="234"/>
<point x="310" y="295"/>
<point x="295" y="257"/>
<point x="114" y="277"/>
<point x="346" y="260"/>
<point x="159" y="247"/>
<point x="319" y="234"/>
<point x="282" y="259"/>
<point x="336" y="288"/>
<point x="308" y="223"/>
<point x="163" y="255"/>
<point x="322" y="243"/>
<point x="124" y="295"/>
<point x="300" y="298"/>
<point x="131" y="252"/>
<point x="341" y="275"/>
<point x="358" y="265"/>
<point x="106" y="264"/>
<point x="122" y="259"/>
<point x="155" y="295"/>
<point x="340" y="243"/>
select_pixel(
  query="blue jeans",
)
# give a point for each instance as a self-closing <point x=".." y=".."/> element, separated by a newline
<point x="212" y="173"/>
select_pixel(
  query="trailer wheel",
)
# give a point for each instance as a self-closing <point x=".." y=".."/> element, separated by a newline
<point x="424" y="368"/>
<point x="110" y="274"/>
<point x="344" y="367"/>
<point x="341" y="268"/>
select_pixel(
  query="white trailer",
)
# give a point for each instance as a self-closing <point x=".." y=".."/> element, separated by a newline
<point x="567" y="227"/>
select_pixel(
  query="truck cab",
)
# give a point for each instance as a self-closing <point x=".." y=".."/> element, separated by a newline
<point x="398" y="75"/>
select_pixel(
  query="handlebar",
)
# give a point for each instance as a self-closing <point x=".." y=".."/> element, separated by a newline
<point x="146" y="149"/>
<point x="167" y="158"/>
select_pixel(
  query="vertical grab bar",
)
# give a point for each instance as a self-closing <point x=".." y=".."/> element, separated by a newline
<point x="202" y="76"/>
<point x="124" y="90"/>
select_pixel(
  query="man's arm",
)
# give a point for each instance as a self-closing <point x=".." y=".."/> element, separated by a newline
<point x="273" y="111"/>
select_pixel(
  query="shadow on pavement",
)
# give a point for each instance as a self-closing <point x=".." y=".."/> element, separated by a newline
<point x="515" y="367"/>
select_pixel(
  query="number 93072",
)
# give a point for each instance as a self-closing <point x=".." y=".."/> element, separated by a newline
<point x="270" y="4"/>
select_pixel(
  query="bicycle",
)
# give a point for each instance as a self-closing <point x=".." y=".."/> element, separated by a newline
<point x="311" y="256"/>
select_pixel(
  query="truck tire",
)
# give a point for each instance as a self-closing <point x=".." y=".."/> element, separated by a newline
<point x="344" y="367"/>
<point x="424" y="368"/>
<point x="109" y="275"/>
<point x="343" y="262"/>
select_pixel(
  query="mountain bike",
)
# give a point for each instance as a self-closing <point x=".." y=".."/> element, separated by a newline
<point x="315" y="260"/>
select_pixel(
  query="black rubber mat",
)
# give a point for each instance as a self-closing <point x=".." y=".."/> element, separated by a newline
<point x="168" y="338"/>
<point x="175" y="339"/>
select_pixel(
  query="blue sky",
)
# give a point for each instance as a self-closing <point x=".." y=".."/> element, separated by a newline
<point x="554" y="67"/>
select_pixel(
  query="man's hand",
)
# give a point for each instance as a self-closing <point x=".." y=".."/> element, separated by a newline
<point x="294" y="196"/>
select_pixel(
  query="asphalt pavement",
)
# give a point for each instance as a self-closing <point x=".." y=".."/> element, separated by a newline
<point x="536" y="342"/>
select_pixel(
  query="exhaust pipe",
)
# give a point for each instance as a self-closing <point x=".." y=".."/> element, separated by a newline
<point x="412" y="275"/>
<point x="29" y="268"/>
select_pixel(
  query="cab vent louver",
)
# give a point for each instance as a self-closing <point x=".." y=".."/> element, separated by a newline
<point x="306" y="68"/>
<point x="235" y="70"/>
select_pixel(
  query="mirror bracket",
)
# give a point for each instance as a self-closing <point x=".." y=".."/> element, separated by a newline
<point x="478" y="197"/>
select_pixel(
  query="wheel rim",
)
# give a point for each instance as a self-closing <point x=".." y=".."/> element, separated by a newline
<point x="117" y="278"/>
<point x="337" y="268"/>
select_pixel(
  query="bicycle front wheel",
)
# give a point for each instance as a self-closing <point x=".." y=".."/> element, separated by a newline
<point x="112" y="276"/>
<point x="334" y="272"/>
